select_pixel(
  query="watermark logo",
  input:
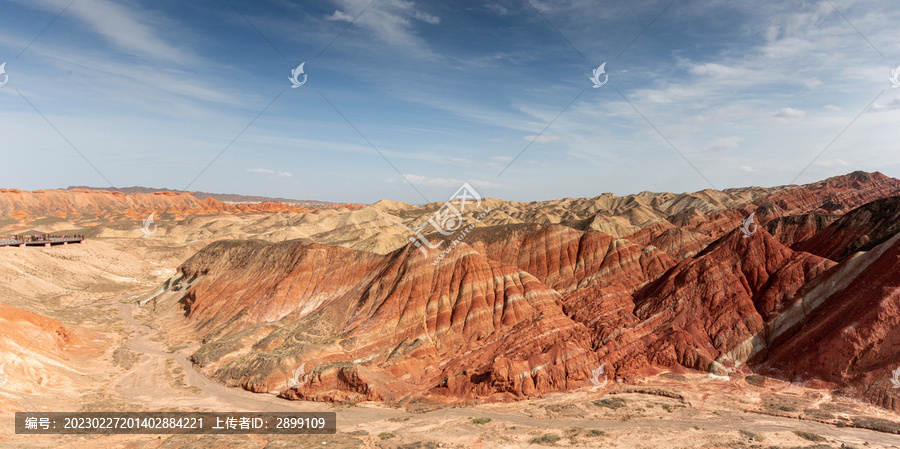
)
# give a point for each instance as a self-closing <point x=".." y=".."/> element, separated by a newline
<point x="748" y="226"/>
<point x="297" y="374"/>
<point x="595" y="376"/>
<point x="3" y="76"/>
<point x="596" y="77"/>
<point x="449" y="220"/>
<point x="896" y="377"/>
<point x="296" y="74"/>
<point x="895" y="74"/>
<point x="146" y="229"/>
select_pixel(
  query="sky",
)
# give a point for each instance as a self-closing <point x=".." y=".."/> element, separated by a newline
<point x="406" y="100"/>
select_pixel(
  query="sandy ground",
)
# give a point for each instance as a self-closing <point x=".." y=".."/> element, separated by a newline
<point x="129" y="365"/>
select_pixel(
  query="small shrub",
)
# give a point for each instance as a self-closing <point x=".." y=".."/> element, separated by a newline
<point x="753" y="436"/>
<point x="613" y="403"/>
<point x="674" y="376"/>
<point x="386" y="435"/>
<point x="398" y="419"/>
<point x="420" y="445"/>
<point x="670" y="408"/>
<point x="481" y="420"/>
<point x="545" y="439"/>
<point x="596" y="433"/>
<point x="809" y="436"/>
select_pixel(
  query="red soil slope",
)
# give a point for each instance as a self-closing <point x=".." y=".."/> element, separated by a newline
<point x="23" y="204"/>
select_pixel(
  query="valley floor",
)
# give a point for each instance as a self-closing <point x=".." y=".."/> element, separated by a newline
<point x="122" y="361"/>
<point x="134" y="370"/>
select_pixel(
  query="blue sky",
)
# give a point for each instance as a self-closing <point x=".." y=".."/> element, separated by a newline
<point x="150" y="93"/>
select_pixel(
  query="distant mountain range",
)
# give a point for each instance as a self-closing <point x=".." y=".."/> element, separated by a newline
<point x="224" y="197"/>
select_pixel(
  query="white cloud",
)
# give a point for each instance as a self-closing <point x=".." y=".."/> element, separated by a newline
<point x="266" y="171"/>
<point x="833" y="108"/>
<point x="126" y="27"/>
<point x="881" y="107"/>
<point x="338" y="15"/>
<point x="501" y="158"/>
<point x="747" y="169"/>
<point x="427" y="18"/>
<point x="440" y="182"/>
<point x="789" y="113"/>
<point x="391" y="21"/>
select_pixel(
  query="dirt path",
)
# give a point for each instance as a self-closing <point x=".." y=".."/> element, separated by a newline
<point x="143" y="383"/>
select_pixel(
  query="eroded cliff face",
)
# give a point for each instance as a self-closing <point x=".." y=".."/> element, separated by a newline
<point x="377" y="327"/>
<point x="522" y="309"/>
<point x="374" y="327"/>
<point x="851" y="338"/>
<point x="708" y="305"/>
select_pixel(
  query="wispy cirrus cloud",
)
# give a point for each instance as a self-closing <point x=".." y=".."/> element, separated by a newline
<point x="130" y="29"/>
<point x="390" y="21"/>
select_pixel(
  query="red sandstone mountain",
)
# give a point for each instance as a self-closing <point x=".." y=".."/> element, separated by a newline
<point x="23" y="204"/>
<point x="848" y="333"/>
<point x="376" y="327"/>
<point x="838" y="194"/>
<point x="860" y="230"/>
<point x="706" y="307"/>
<point x="521" y="309"/>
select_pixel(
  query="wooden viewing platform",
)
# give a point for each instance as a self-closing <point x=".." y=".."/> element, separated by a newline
<point x="40" y="240"/>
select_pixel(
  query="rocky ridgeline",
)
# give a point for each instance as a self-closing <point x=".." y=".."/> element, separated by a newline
<point x="522" y="309"/>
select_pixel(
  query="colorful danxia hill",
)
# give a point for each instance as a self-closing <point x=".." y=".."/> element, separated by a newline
<point x="339" y="304"/>
<point x="541" y="294"/>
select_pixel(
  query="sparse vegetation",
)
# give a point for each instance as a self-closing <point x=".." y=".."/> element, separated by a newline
<point x="673" y="376"/>
<point x="671" y="407"/>
<point x="809" y="436"/>
<point x="753" y="436"/>
<point x="386" y="435"/>
<point x="177" y="348"/>
<point x="419" y="445"/>
<point x="881" y="425"/>
<point x="124" y="357"/>
<point x="548" y="438"/>
<point x="398" y="419"/>
<point x="774" y="403"/>
<point x="597" y="433"/>
<point x="613" y="403"/>
<point x="481" y="420"/>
